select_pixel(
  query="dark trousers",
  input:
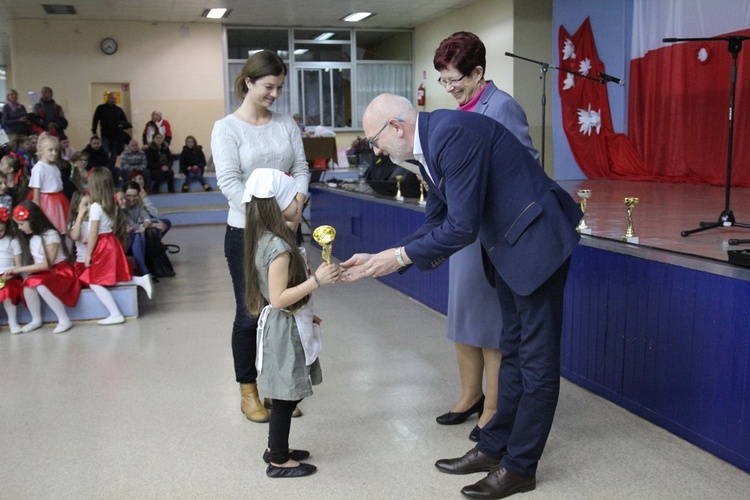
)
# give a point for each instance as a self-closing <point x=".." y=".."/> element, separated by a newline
<point x="529" y="378"/>
<point x="279" y="424"/>
<point x="244" y="326"/>
<point x="158" y="175"/>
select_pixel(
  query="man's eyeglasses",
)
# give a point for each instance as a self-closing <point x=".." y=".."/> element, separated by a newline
<point x="451" y="82"/>
<point x="374" y="141"/>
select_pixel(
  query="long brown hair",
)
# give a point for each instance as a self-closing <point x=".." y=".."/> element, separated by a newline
<point x="260" y="64"/>
<point x="39" y="224"/>
<point x="102" y="189"/>
<point x="263" y="215"/>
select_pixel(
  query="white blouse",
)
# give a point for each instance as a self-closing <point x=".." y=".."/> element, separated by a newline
<point x="36" y="245"/>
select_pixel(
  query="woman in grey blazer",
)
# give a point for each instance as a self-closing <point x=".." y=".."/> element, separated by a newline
<point x="473" y="310"/>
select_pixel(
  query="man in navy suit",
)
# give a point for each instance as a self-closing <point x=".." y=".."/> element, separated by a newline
<point x="483" y="183"/>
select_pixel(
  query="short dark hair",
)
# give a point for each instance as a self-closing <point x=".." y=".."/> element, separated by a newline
<point x="463" y="50"/>
<point x="260" y="64"/>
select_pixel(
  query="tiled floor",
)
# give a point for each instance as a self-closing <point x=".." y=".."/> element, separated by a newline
<point x="150" y="409"/>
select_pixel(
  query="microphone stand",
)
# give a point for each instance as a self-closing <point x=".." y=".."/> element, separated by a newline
<point x="726" y="219"/>
<point x="544" y="67"/>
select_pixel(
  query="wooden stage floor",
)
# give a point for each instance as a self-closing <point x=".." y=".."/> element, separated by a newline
<point x="665" y="210"/>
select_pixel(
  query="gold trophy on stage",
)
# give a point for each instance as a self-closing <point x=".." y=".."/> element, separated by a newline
<point x="399" y="196"/>
<point x="630" y="236"/>
<point x="325" y="235"/>
<point x="584" y="195"/>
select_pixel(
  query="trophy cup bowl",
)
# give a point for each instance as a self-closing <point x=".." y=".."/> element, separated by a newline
<point x="324" y="236"/>
<point x="584" y="195"/>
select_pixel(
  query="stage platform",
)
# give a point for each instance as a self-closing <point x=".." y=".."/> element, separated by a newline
<point x="665" y="210"/>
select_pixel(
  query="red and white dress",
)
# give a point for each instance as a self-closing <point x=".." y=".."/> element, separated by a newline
<point x="109" y="265"/>
<point x="61" y="279"/>
<point x="13" y="288"/>
<point x="48" y="180"/>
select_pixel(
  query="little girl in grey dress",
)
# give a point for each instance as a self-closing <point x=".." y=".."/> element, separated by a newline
<point x="279" y="286"/>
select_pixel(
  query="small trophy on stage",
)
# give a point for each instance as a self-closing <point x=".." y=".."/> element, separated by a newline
<point x="325" y="235"/>
<point x="630" y="236"/>
<point x="422" y="200"/>
<point x="399" y="196"/>
<point x="584" y="195"/>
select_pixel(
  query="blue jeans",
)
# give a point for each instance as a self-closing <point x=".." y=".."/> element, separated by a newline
<point x="244" y="326"/>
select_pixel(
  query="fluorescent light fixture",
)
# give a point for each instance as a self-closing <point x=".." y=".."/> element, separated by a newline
<point x="357" y="16"/>
<point x="216" y="13"/>
<point x="324" y="36"/>
<point x="299" y="52"/>
<point x="251" y="53"/>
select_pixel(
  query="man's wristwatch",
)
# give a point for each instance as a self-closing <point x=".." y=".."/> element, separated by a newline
<point x="400" y="258"/>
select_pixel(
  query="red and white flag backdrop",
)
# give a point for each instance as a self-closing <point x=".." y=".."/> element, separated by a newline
<point x="598" y="150"/>
<point x="678" y="107"/>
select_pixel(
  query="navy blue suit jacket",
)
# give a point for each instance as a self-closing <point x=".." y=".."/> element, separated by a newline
<point x="484" y="183"/>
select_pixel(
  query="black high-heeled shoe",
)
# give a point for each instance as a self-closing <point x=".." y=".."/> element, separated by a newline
<point x="474" y="434"/>
<point x="452" y="418"/>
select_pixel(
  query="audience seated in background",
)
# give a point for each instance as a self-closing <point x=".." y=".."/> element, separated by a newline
<point x="66" y="150"/>
<point x="133" y="157"/>
<point x="49" y="116"/>
<point x="79" y="167"/>
<point x="192" y="164"/>
<point x="97" y="156"/>
<point x="14" y="120"/>
<point x="145" y="202"/>
<point x="159" y="162"/>
<point x="141" y="222"/>
<point x="157" y="125"/>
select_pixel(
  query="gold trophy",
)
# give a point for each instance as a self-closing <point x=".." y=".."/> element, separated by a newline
<point x="325" y="235"/>
<point x="422" y="200"/>
<point x="399" y="197"/>
<point x="584" y="195"/>
<point x="630" y="236"/>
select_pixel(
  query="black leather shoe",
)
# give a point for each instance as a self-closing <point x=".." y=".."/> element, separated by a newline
<point x="474" y="434"/>
<point x="295" y="455"/>
<point x="499" y="483"/>
<point x="452" y="418"/>
<point x="473" y="461"/>
<point x="301" y="470"/>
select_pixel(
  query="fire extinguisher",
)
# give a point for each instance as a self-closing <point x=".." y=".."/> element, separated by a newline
<point x="420" y="95"/>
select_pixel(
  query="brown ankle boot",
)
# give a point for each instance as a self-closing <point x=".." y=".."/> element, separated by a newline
<point x="251" y="405"/>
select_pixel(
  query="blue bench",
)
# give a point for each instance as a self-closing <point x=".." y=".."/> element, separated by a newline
<point x="88" y="306"/>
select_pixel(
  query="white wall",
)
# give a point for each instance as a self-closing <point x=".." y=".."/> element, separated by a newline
<point x="176" y="68"/>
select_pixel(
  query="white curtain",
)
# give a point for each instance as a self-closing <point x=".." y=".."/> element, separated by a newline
<point x="375" y="79"/>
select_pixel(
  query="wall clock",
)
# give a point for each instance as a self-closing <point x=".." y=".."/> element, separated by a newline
<point x="108" y="46"/>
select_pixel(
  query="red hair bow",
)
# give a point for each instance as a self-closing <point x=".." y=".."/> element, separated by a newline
<point x="21" y="213"/>
<point x="4" y="215"/>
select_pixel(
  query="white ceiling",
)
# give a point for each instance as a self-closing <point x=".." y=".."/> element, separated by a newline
<point x="321" y="13"/>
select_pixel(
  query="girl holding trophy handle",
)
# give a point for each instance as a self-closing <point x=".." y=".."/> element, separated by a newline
<point x="279" y="285"/>
<point x="473" y="311"/>
<point x="253" y="137"/>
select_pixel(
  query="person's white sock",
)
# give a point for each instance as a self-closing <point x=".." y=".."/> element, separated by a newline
<point x="143" y="282"/>
<point x="107" y="300"/>
<point x="63" y="321"/>
<point x="34" y="305"/>
<point x="10" y="310"/>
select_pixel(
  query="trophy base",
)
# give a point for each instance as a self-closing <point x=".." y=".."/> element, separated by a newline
<point x="399" y="198"/>
<point x="422" y="203"/>
<point x="632" y="239"/>
<point x="584" y="231"/>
